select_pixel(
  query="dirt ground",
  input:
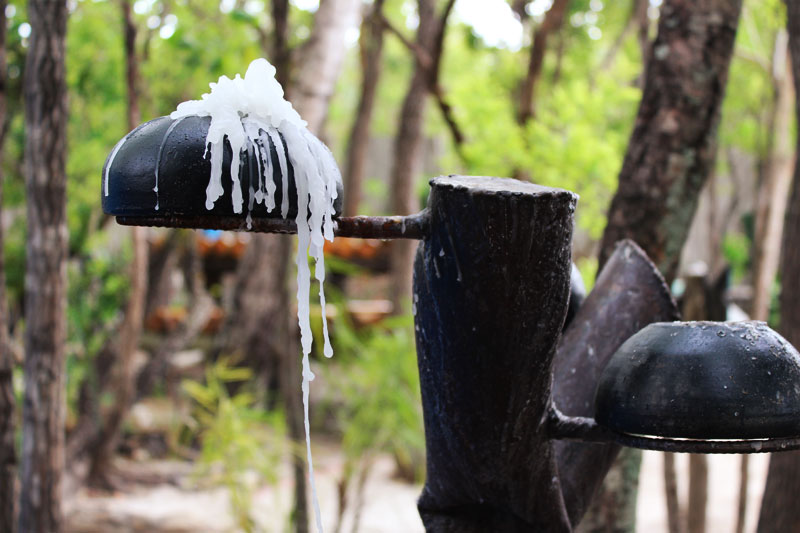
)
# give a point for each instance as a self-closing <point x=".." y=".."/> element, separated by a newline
<point x="178" y="505"/>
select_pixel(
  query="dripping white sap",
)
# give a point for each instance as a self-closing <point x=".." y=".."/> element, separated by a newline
<point x="253" y="109"/>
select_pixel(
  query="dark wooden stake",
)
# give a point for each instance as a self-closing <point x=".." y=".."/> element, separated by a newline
<point x="491" y="284"/>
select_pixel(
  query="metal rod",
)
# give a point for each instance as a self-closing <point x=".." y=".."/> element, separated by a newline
<point x="562" y="427"/>
<point x="363" y="227"/>
<point x="580" y="428"/>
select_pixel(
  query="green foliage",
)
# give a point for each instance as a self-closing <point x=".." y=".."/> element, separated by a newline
<point x="377" y="394"/>
<point x="242" y="445"/>
<point x="97" y="290"/>
<point x="736" y="249"/>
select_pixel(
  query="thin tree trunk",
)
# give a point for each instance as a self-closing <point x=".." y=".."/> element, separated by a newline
<point x="638" y="11"/>
<point x="371" y="45"/>
<point x="744" y="479"/>
<point x="408" y="146"/>
<point x="8" y="455"/>
<point x="130" y="330"/>
<point x="553" y="20"/>
<point x="671" y="492"/>
<point x="779" y="510"/>
<point x="673" y="145"/>
<point x="321" y="60"/>
<point x="774" y="190"/>
<point x="281" y="53"/>
<point x="46" y="274"/>
<point x="698" y="493"/>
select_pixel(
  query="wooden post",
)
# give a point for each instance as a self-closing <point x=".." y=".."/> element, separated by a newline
<point x="491" y="284"/>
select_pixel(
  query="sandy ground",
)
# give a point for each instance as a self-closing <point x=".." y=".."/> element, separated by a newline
<point x="390" y="505"/>
<point x="723" y="497"/>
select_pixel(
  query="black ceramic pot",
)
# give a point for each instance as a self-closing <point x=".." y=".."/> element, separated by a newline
<point x="172" y="153"/>
<point x="702" y="380"/>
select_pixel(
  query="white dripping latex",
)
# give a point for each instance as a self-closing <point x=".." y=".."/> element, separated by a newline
<point x="253" y="108"/>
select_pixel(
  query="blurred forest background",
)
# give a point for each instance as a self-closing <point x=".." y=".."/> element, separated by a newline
<point x="181" y="357"/>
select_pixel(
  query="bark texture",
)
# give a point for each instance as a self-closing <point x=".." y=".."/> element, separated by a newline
<point x="673" y="145"/>
<point x="779" y="509"/>
<point x="46" y="274"/>
<point x="371" y="48"/>
<point x="8" y="455"/>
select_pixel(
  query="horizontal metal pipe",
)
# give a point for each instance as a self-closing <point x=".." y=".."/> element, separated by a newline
<point x="363" y="227"/>
<point x="579" y="428"/>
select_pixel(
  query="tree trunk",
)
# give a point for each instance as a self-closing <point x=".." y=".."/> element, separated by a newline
<point x="46" y="272"/>
<point x="698" y="493"/>
<point x="671" y="492"/>
<point x="637" y="14"/>
<point x="553" y="20"/>
<point x="130" y="330"/>
<point x="281" y="53"/>
<point x="741" y="507"/>
<point x="774" y="191"/>
<point x="321" y="60"/>
<point x="673" y="145"/>
<point x="371" y="45"/>
<point x="8" y="455"/>
<point x="779" y="510"/>
<point x="408" y="157"/>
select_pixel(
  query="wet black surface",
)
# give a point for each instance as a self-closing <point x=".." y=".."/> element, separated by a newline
<point x="183" y="171"/>
<point x="702" y="380"/>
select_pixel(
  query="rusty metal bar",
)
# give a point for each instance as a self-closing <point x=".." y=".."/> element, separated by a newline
<point x="364" y="227"/>
<point x="579" y="428"/>
<point x="584" y="429"/>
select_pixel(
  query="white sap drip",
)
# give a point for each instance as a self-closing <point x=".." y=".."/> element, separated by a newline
<point x="111" y="160"/>
<point x="252" y="110"/>
<point x="276" y="140"/>
<point x="161" y="152"/>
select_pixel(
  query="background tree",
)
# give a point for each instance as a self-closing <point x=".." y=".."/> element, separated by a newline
<point x="8" y="455"/>
<point x="409" y="137"/>
<point x="131" y="327"/>
<point x="46" y="277"/>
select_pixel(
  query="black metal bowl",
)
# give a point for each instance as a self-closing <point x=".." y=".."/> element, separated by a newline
<point x="702" y="380"/>
<point x="172" y="153"/>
